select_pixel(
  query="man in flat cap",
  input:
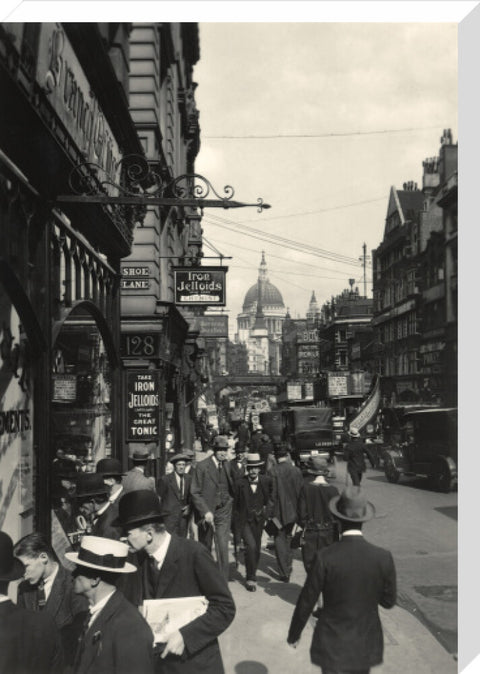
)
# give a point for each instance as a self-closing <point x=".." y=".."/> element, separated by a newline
<point x="212" y="495"/>
<point x="354" y="578"/>
<point x="116" y="639"/>
<point x="174" y="567"/>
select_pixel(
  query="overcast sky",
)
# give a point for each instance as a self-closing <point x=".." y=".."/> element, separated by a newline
<point x="366" y="102"/>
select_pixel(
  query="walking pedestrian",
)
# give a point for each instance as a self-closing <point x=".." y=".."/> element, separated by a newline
<point x="174" y="567"/>
<point x="243" y="434"/>
<point x="47" y="587"/>
<point x="317" y="522"/>
<point x="287" y="487"/>
<point x="135" y="478"/>
<point x="29" y="640"/>
<point x="91" y="495"/>
<point x="355" y="459"/>
<point x="354" y="577"/>
<point x="174" y="492"/>
<point x="212" y="495"/>
<point x="252" y="497"/>
<point x="116" y="638"/>
<point x="111" y="472"/>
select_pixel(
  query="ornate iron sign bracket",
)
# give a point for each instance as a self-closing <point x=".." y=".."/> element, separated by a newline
<point x="139" y="185"/>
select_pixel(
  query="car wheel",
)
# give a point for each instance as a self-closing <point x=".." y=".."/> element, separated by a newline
<point x="391" y="472"/>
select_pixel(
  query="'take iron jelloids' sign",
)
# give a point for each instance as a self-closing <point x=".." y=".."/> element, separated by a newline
<point x="200" y="286"/>
<point x="142" y="402"/>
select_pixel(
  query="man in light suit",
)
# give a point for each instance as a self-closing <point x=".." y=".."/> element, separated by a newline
<point x="135" y="478"/>
<point x="174" y="567"/>
<point x="116" y="639"/>
<point x="174" y="492"/>
<point x="354" y="577"/>
<point x="48" y="588"/>
<point x="212" y="495"/>
<point x="29" y="640"/>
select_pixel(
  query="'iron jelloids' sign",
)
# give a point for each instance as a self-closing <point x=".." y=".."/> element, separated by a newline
<point x="200" y="286"/>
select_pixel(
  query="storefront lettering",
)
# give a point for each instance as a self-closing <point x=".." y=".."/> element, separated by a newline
<point x="14" y="421"/>
<point x="142" y="400"/>
<point x="199" y="281"/>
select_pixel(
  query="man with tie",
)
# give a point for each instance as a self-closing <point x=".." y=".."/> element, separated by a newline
<point x="212" y="495"/>
<point x="174" y="567"/>
<point x="252" y="498"/>
<point x="174" y="492"/>
<point x="47" y="587"/>
<point x="354" y="578"/>
<point x="115" y="639"/>
<point x="29" y="640"/>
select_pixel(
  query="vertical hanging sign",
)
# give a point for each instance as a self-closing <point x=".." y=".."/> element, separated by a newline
<point x="142" y="397"/>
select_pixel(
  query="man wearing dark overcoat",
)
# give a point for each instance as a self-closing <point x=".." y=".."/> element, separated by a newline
<point x="29" y="640"/>
<point x="212" y="495"/>
<point x="252" y="498"/>
<point x="116" y="639"/>
<point x="174" y="492"/>
<point x="287" y="487"/>
<point x="355" y="456"/>
<point x="48" y="588"/>
<point x="354" y="578"/>
<point x="111" y="472"/>
<point x="174" y="567"/>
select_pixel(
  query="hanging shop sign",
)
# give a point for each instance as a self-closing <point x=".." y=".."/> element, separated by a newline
<point x="200" y="286"/>
<point x="337" y="384"/>
<point x="209" y="326"/>
<point x="64" y="388"/>
<point x="142" y="396"/>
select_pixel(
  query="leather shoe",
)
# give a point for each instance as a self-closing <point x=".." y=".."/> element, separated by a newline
<point x="251" y="586"/>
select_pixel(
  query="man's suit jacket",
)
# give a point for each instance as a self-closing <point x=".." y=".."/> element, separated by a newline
<point x="287" y="488"/>
<point x="134" y="480"/>
<point x="29" y="642"/>
<point x="171" y="499"/>
<point x="235" y="471"/>
<point x="242" y="513"/>
<point x="188" y="570"/>
<point x="354" y="577"/>
<point x="205" y="483"/>
<point x="119" y="641"/>
<point x="103" y="526"/>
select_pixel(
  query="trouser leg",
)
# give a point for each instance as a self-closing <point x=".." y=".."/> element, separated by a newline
<point x="205" y="535"/>
<point x="223" y="519"/>
<point x="283" y="551"/>
<point x="250" y="552"/>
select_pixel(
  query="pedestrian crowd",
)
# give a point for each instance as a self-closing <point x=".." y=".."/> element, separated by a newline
<point x="136" y="540"/>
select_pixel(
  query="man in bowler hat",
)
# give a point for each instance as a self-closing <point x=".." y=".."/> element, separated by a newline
<point x="29" y="640"/>
<point x="174" y="567"/>
<point x="111" y="472"/>
<point x="116" y="639"/>
<point x="354" y="578"/>
<point x="212" y="495"/>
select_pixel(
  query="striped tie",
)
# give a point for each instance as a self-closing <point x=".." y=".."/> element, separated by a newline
<point x="42" y="600"/>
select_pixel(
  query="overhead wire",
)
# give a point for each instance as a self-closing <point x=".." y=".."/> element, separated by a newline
<point x="318" y="135"/>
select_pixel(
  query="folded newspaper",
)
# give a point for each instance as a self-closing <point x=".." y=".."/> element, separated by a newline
<point x="168" y="615"/>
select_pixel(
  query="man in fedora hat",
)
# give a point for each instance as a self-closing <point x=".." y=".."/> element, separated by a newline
<point x="116" y="639"/>
<point x="354" y="578"/>
<point x="212" y="495"/>
<point x="174" y="567"/>
<point x="174" y="492"/>
<point x="287" y="487"/>
<point x="47" y="587"/>
<point x="252" y="496"/>
<point x="135" y="478"/>
<point x="29" y="640"/>
<point x="355" y="459"/>
<point x="316" y="520"/>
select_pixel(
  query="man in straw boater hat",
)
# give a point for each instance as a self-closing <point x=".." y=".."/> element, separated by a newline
<point x="174" y="492"/>
<point x="29" y="640"/>
<point x="355" y="456"/>
<point x="116" y="639"/>
<point x="316" y="520"/>
<point x="252" y="497"/>
<point x="354" y="578"/>
<point x="174" y="567"/>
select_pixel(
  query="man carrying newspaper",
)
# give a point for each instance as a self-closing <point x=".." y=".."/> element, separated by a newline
<point x="177" y="568"/>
